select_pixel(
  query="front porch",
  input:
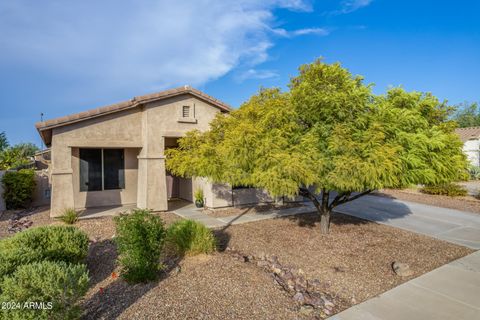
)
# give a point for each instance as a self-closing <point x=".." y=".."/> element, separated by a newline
<point x="106" y="211"/>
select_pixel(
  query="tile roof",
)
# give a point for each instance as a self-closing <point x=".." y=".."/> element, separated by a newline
<point x="135" y="102"/>
<point x="45" y="127"/>
<point x="469" y="133"/>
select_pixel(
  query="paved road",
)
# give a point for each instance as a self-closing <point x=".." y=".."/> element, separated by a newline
<point x="454" y="226"/>
<point x="449" y="292"/>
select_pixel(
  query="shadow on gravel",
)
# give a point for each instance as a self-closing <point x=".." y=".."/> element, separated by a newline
<point x="223" y="239"/>
<point x="312" y="219"/>
<point x="101" y="260"/>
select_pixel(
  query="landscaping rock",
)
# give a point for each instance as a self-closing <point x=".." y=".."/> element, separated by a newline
<point x="17" y="225"/>
<point x="298" y="297"/>
<point x="306" y="310"/>
<point x="402" y="269"/>
<point x="308" y="294"/>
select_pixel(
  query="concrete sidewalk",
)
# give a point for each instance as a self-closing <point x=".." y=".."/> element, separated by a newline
<point x="451" y="225"/>
<point x="191" y="212"/>
<point x="449" y="292"/>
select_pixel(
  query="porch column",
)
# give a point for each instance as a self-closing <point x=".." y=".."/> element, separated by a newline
<point x="152" y="184"/>
<point x="62" y="181"/>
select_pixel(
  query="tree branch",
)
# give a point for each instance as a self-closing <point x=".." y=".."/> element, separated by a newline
<point x="306" y="193"/>
<point x="338" y="199"/>
<point x="348" y="199"/>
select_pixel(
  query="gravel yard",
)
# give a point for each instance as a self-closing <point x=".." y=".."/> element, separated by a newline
<point x="467" y="203"/>
<point x="354" y="259"/>
<point x="352" y="264"/>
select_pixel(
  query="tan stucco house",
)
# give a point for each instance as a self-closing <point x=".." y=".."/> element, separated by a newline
<point x="114" y="155"/>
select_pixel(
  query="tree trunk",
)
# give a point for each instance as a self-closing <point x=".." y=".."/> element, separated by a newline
<point x="325" y="221"/>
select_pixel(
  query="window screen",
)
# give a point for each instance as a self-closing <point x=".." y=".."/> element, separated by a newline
<point x="93" y="178"/>
<point x="90" y="169"/>
<point x="113" y="169"/>
<point x="186" y="111"/>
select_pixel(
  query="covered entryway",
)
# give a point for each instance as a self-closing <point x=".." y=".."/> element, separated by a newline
<point x="177" y="187"/>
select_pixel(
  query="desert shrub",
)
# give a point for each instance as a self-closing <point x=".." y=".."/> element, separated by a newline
<point x="474" y="172"/>
<point x="18" y="187"/>
<point x="59" y="283"/>
<point x="140" y="237"/>
<point x="188" y="237"/>
<point x="52" y="243"/>
<point x="450" y="189"/>
<point x="69" y="216"/>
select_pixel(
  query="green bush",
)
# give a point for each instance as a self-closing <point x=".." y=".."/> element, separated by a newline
<point x="52" y="243"/>
<point x="188" y="237"/>
<point x="140" y="236"/>
<point x="474" y="172"/>
<point x="69" y="216"/>
<point x="451" y="189"/>
<point x="18" y="187"/>
<point x="59" y="285"/>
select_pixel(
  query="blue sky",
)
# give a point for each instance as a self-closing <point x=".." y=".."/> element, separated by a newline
<point x="62" y="57"/>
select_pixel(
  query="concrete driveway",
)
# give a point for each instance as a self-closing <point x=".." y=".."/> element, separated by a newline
<point x="451" y="225"/>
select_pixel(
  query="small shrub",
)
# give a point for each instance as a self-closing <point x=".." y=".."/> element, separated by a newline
<point x="451" y="189"/>
<point x="198" y="195"/>
<point x="140" y="237"/>
<point x="69" y="216"/>
<point x="188" y="237"/>
<point x="18" y="187"/>
<point x="52" y="243"/>
<point x="474" y="172"/>
<point x="59" y="283"/>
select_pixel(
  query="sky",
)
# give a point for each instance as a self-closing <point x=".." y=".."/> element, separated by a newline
<point x="59" y="57"/>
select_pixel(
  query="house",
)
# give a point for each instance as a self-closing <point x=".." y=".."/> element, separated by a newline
<point x="114" y="155"/>
<point x="471" y="143"/>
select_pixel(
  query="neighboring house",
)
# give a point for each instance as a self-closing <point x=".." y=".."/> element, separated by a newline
<point x="471" y="143"/>
<point x="114" y="155"/>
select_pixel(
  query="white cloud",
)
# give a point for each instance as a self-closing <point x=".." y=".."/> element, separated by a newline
<point x="349" y="6"/>
<point x="149" y="45"/>
<point x="255" y="74"/>
<point x="301" y="32"/>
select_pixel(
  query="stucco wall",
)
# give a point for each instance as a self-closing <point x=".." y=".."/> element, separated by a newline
<point x="142" y="131"/>
<point x="41" y="195"/>
<point x="472" y="149"/>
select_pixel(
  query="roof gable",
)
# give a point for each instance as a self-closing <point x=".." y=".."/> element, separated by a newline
<point x="45" y="127"/>
<point x="469" y="133"/>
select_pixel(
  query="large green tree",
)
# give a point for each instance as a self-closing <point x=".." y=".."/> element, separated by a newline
<point x="17" y="155"/>
<point x="328" y="139"/>
<point x="3" y="141"/>
<point x="467" y="114"/>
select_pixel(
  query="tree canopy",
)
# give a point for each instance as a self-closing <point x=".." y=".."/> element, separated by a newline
<point x="467" y="114"/>
<point x="15" y="156"/>
<point x="3" y="141"/>
<point x="329" y="135"/>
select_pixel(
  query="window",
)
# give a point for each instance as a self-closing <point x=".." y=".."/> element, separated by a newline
<point x="102" y="169"/>
<point x="186" y="111"/>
